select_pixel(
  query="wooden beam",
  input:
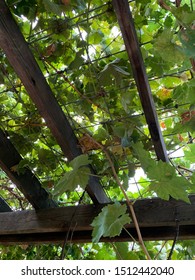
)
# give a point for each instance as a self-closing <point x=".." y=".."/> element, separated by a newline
<point x="148" y="234"/>
<point x="158" y="220"/>
<point x="26" y="182"/>
<point x="22" y="60"/>
<point x="133" y="49"/>
<point x="4" y="207"/>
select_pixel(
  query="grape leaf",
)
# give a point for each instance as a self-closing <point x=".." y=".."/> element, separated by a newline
<point x="101" y="134"/>
<point x="79" y="176"/>
<point x="161" y="171"/>
<point x="112" y="70"/>
<point x="190" y="153"/>
<point x="52" y="7"/>
<point x="165" y="181"/>
<point x="95" y="37"/>
<point x="185" y="92"/>
<point x="187" y="39"/>
<point x="71" y="180"/>
<point x="183" y="14"/>
<point x="79" y="161"/>
<point x="193" y="179"/>
<point x="110" y="221"/>
<point x="174" y="187"/>
<point x="123" y="252"/>
<point x="165" y="47"/>
<point x="78" y="61"/>
<point x="143" y="156"/>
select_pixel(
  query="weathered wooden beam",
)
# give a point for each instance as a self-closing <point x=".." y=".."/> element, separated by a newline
<point x="4" y="207"/>
<point x="26" y="182"/>
<point x="133" y="49"/>
<point x="158" y="220"/>
<point x="148" y="234"/>
<point x="22" y="60"/>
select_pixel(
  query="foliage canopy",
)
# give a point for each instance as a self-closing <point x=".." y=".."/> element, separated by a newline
<point x="80" y="50"/>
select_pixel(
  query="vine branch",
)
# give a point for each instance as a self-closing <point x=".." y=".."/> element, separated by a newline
<point x="129" y="203"/>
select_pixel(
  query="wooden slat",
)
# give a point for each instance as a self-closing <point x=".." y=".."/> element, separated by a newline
<point x="132" y="46"/>
<point x="4" y="207"/>
<point x="22" y="60"/>
<point x="148" y="234"/>
<point x="26" y="182"/>
<point x="158" y="220"/>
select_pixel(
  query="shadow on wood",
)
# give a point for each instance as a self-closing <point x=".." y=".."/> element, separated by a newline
<point x="158" y="220"/>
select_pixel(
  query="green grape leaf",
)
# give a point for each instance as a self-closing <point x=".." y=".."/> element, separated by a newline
<point x="119" y="129"/>
<point x="110" y="221"/>
<point x="161" y="171"/>
<point x="174" y="187"/>
<point x="51" y="7"/>
<point x="95" y="37"/>
<point x="23" y="164"/>
<point x="185" y="92"/>
<point x="143" y="156"/>
<point x="71" y="180"/>
<point x="78" y="61"/>
<point x="79" y="161"/>
<point x="123" y="252"/>
<point x="165" y="47"/>
<point x="190" y="153"/>
<point x="127" y="98"/>
<point x="193" y="178"/>
<point x="167" y="183"/>
<point x="183" y="14"/>
<point x="187" y="38"/>
<point x="101" y="134"/>
<point x="112" y="70"/>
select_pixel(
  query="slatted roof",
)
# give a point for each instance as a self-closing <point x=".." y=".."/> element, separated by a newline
<point x="23" y="62"/>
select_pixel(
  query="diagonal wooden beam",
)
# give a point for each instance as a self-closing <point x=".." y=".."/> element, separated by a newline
<point x="158" y="220"/>
<point x="22" y="60"/>
<point x="26" y="182"/>
<point x="4" y="207"/>
<point x="133" y="49"/>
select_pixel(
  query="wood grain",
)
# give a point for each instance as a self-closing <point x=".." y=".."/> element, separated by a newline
<point x="133" y="49"/>
<point x="26" y="182"/>
<point x="22" y="60"/>
<point x="158" y="220"/>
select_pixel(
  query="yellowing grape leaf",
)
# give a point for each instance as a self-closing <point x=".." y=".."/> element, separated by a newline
<point x="164" y="94"/>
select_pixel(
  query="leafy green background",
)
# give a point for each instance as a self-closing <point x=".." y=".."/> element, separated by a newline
<point x="79" y="48"/>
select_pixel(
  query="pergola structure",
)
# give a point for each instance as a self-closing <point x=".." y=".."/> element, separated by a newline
<point x="48" y="223"/>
